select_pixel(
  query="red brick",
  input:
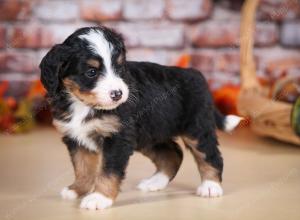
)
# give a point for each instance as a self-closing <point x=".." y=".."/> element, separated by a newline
<point x="160" y="56"/>
<point x="278" y="10"/>
<point x="215" y="34"/>
<point x="290" y="34"/>
<point x="11" y="10"/>
<point x="228" y="61"/>
<point x="41" y="53"/>
<point x="266" y="34"/>
<point x="29" y="36"/>
<point x="204" y="60"/>
<point x="280" y="67"/>
<point x="59" y="33"/>
<point x="18" y="83"/>
<point x="191" y="10"/>
<point x="220" y="33"/>
<point x="218" y="79"/>
<point x="222" y="13"/>
<point x="294" y="72"/>
<point x="269" y="59"/>
<point x="100" y="10"/>
<point x="23" y="62"/>
<point x="35" y="36"/>
<point x="218" y="67"/>
<point x="158" y="35"/>
<point x="57" y="10"/>
<point x="148" y="55"/>
<point x="2" y="37"/>
<point x="143" y="9"/>
<point x="175" y="56"/>
<point x="2" y="62"/>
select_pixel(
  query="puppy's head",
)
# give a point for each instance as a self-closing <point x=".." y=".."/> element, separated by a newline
<point x="89" y="65"/>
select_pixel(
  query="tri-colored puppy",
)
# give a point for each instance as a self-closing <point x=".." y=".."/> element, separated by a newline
<point x="107" y="108"/>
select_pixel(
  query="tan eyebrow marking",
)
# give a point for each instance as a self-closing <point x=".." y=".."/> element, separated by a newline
<point x="120" y="58"/>
<point x="94" y="63"/>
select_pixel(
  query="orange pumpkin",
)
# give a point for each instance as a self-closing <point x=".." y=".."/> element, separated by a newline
<point x="11" y="103"/>
<point x="3" y="88"/>
<point x="183" y="61"/>
<point x="36" y="90"/>
<point x="226" y="99"/>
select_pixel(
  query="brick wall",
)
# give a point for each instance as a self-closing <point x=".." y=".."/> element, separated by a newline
<point x="154" y="30"/>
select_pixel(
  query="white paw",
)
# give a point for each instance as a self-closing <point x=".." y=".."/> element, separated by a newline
<point x="157" y="182"/>
<point x="69" y="194"/>
<point x="210" y="188"/>
<point x="95" y="201"/>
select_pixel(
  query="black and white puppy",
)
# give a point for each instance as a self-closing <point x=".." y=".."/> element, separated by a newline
<point x="107" y="108"/>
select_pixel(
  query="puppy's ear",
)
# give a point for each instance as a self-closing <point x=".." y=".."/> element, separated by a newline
<point x="51" y="66"/>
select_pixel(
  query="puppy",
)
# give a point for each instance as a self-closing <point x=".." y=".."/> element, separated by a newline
<point x="107" y="108"/>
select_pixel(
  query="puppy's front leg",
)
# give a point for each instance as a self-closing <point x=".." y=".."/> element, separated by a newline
<point x="115" y="155"/>
<point x="85" y="164"/>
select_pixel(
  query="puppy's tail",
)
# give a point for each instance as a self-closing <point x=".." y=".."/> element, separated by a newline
<point x="226" y="123"/>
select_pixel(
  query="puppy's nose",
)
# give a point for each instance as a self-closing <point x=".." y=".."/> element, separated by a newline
<point x="116" y="95"/>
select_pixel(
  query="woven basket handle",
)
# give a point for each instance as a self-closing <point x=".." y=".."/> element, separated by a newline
<point x="247" y="63"/>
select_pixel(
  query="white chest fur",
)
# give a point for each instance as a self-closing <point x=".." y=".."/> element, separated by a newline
<point x="80" y="129"/>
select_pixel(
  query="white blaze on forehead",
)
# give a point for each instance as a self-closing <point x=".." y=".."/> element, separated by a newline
<point x="99" y="45"/>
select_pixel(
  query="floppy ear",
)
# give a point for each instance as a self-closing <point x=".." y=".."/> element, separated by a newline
<point x="51" y="66"/>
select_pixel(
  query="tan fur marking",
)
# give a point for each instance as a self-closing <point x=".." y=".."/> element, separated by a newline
<point x="206" y="171"/>
<point x="189" y="141"/>
<point x="107" y="125"/>
<point x="108" y="185"/>
<point x="59" y="126"/>
<point x="94" y="63"/>
<point x="87" y="97"/>
<point x="86" y="165"/>
<point x="120" y="59"/>
<point x="167" y="161"/>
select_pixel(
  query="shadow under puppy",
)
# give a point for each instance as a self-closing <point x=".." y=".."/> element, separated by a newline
<point x="107" y="108"/>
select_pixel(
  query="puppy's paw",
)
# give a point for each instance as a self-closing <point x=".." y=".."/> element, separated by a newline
<point x="68" y="194"/>
<point x="95" y="201"/>
<point x="210" y="188"/>
<point x="157" y="182"/>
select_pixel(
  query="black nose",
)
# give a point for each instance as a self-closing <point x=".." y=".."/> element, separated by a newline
<point x="116" y="95"/>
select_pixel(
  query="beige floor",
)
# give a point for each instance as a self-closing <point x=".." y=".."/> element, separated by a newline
<point x="261" y="181"/>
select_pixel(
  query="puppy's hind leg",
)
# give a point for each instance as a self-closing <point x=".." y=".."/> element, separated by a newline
<point x="167" y="158"/>
<point x="209" y="162"/>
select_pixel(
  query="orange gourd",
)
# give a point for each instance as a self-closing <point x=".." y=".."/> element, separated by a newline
<point x="226" y="99"/>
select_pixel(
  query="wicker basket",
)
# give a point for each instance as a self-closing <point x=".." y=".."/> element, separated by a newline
<point x="268" y="117"/>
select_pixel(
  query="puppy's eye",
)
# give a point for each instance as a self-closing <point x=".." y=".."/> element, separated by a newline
<point x="91" y="73"/>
